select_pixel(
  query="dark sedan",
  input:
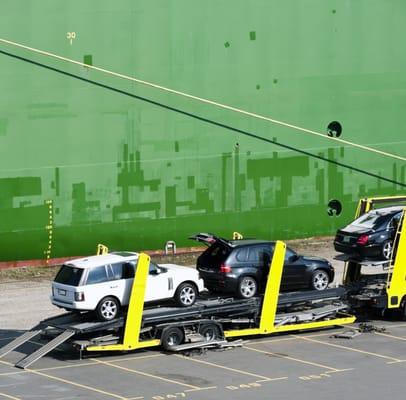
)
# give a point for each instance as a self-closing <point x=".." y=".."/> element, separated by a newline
<point x="241" y="267"/>
<point x="371" y="235"/>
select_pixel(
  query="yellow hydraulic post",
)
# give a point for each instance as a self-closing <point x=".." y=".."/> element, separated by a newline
<point x="396" y="289"/>
<point x="102" y="250"/>
<point x="352" y="270"/>
<point x="364" y="206"/>
<point x="367" y="204"/>
<point x="270" y="301"/>
<point x="133" y="321"/>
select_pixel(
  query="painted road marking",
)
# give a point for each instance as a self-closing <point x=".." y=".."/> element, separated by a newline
<point x="136" y="357"/>
<point x="293" y="359"/>
<point x="395" y="326"/>
<point x="291" y="338"/>
<point x="85" y="364"/>
<point x="349" y="348"/>
<point x="389" y="336"/>
<point x="203" y="388"/>
<point x="7" y="396"/>
<point x="12" y="373"/>
<point x="93" y="389"/>
<point x="263" y="378"/>
<point x="146" y="374"/>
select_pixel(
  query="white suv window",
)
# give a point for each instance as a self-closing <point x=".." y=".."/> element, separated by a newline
<point x="115" y="271"/>
<point x="97" y="275"/>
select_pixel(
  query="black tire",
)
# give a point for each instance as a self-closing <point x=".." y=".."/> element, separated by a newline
<point x="108" y="309"/>
<point x="210" y="332"/>
<point x="186" y="294"/>
<point x="172" y="337"/>
<point x="247" y="287"/>
<point x="320" y="280"/>
<point x="386" y="250"/>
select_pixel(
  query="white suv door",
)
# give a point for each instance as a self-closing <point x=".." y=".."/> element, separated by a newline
<point x="98" y="285"/>
<point x="159" y="283"/>
<point x="117" y="286"/>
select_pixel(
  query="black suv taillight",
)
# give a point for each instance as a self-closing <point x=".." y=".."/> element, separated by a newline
<point x="224" y="268"/>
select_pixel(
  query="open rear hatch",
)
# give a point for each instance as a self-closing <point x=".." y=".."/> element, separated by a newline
<point x="214" y="256"/>
<point x="208" y="239"/>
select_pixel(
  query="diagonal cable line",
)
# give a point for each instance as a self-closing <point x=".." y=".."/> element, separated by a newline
<point x="201" y="118"/>
<point x="202" y="100"/>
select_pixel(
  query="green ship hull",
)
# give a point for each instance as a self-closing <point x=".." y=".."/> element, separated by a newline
<point x="89" y="157"/>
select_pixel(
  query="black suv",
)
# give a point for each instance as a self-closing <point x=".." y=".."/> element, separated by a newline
<point x="241" y="267"/>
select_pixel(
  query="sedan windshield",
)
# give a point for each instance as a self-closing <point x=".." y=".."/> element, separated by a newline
<point x="69" y="275"/>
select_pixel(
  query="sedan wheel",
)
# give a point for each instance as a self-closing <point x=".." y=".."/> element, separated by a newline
<point x="320" y="280"/>
<point x="247" y="287"/>
<point x="108" y="309"/>
<point x="186" y="294"/>
<point x="387" y="250"/>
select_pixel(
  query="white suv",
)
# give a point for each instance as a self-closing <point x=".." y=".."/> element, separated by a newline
<point x="103" y="283"/>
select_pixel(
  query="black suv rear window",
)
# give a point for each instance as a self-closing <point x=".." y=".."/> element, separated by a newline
<point x="69" y="275"/>
<point x="216" y="254"/>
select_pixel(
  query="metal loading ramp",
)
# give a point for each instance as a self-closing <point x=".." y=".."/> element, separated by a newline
<point x="19" y="341"/>
<point x="42" y="351"/>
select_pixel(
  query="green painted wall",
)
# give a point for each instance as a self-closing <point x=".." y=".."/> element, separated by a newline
<point x="82" y="164"/>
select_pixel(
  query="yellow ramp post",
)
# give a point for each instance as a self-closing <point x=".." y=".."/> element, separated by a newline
<point x="396" y="289"/>
<point x="271" y="295"/>
<point x="133" y="321"/>
<point x="102" y="250"/>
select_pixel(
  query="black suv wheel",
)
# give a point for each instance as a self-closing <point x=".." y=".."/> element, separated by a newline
<point x="247" y="287"/>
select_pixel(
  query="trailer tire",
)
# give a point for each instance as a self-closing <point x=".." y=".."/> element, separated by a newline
<point x="403" y="309"/>
<point x="210" y="332"/>
<point x="171" y="337"/>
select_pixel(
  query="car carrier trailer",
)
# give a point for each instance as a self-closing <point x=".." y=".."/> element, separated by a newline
<point x="209" y="321"/>
<point x="212" y="321"/>
<point x="386" y="290"/>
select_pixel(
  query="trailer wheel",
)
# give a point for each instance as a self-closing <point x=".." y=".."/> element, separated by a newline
<point x="210" y="332"/>
<point x="172" y="337"/>
<point x="403" y="309"/>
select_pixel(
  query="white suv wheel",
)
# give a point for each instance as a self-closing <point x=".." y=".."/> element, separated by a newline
<point x="108" y="309"/>
<point x="186" y="295"/>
